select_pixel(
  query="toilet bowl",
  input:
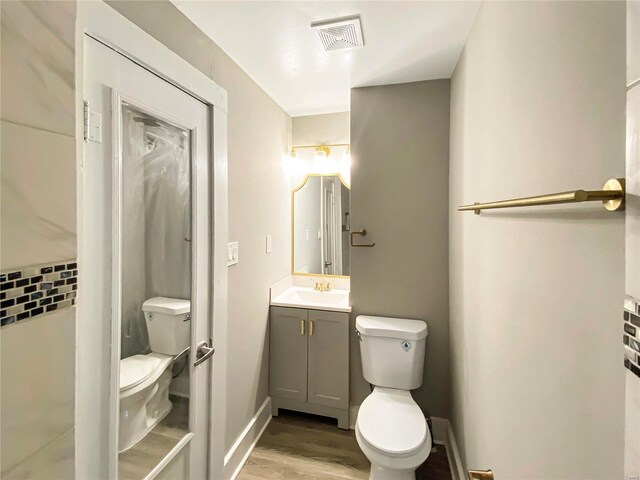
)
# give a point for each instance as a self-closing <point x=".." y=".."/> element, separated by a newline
<point x="391" y="429"/>
<point x="393" y="434"/>
<point x="144" y="396"/>
<point x="145" y="379"/>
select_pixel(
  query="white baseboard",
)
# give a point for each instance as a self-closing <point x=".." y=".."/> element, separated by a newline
<point x="443" y="435"/>
<point x="237" y="455"/>
<point x="439" y="430"/>
<point x="453" y="454"/>
<point x="353" y="416"/>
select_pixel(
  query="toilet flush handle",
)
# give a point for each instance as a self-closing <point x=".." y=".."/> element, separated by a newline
<point x="203" y="353"/>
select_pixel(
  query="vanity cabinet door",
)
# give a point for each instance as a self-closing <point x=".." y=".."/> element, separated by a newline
<point x="288" y="353"/>
<point x="329" y="359"/>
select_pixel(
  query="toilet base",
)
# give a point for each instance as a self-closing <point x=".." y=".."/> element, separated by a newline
<point x="143" y="410"/>
<point x="379" y="472"/>
<point x="385" y="467"/>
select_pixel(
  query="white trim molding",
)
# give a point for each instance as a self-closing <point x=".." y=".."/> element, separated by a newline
<point x="453" y="454"/>
<point x="239" y="452"/>
<point x="353" y="416"/>
<point x="442" y="432"/>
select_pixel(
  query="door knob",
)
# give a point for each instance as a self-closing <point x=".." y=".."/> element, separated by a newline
<point x="203" y="353"/>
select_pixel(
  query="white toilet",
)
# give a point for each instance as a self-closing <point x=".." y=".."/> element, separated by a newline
<point x="391" y="429"/>
<point x="145" y="379"/>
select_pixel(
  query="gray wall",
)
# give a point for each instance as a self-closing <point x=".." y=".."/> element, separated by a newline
<point x="537" y="106"/>
<point x="38" y="212"/>
<point x="400" y="186"/>
<point x="259" y="134"/>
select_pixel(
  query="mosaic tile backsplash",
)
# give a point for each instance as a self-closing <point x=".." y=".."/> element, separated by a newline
<point x="32" y="291"/>
<point x="631" y="336"/>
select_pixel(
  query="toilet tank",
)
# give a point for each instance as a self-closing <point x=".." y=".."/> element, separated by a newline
<point x="168" y="324"/>
<point x="392" y="351"/>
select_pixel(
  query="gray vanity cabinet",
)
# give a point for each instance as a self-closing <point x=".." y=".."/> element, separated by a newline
<point x="309" y="362"/>
<point x="288" y="353"/>
<point x="328" y="360"/>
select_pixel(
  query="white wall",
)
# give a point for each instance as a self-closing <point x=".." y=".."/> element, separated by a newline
<point x="313" y="130"/>
<point x="321" y="129"/>
<point x="259" y="136"/>
<point x="38" y="214"/>
<point x="537" y="106"/>
<point x="325" y="129"/>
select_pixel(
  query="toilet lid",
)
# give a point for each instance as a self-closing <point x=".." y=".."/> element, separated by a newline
<point x="136" y="369"/>
<point x="391" y="421"/>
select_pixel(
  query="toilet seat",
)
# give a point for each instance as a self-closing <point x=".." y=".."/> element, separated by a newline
<point x="390" y="422"/>
<point x="139" y="371"/>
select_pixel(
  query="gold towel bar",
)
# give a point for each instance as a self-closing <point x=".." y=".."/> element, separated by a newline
<point x="611" y="196"/>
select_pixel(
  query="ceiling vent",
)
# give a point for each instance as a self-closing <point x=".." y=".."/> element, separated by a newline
<point x="340" y="33"/>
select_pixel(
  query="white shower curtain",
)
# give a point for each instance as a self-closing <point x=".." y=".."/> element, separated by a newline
<point x="156" y="220"/>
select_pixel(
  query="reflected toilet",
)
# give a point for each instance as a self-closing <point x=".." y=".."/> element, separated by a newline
<point x="145" y="379"/>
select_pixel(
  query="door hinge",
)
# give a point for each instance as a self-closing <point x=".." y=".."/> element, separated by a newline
<point x="85" y="120"/>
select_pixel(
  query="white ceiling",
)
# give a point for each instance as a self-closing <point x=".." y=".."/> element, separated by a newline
<point x="274" y="44"/>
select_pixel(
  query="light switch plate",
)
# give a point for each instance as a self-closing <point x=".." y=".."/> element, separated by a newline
<point x="232" y="253"/>
<point x="268" y="245"/>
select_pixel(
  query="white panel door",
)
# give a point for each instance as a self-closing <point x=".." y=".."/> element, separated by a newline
<point x="126" y="100"/>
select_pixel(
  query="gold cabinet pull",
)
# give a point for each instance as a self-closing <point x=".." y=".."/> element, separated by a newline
<point x="480" y="475"/>
<point x="310" y="328"/>
<point x="301" y="327"/>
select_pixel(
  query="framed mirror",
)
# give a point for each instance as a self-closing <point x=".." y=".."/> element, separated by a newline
<point x="320" y="224"/>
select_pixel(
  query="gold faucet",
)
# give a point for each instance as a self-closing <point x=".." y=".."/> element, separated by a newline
<point x="321" y="287"/>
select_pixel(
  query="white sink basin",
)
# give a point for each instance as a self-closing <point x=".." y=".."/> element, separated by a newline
<point x="303" y="297"/>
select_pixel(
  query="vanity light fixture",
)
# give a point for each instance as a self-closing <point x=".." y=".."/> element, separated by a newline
<point x="322" y="152"/>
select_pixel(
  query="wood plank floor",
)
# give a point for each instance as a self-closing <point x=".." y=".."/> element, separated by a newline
<point x="308" y="447"/>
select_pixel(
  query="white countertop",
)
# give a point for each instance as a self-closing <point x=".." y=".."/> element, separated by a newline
<point x="294" y="292"/>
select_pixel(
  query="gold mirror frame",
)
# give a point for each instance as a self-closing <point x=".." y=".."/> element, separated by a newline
<point x="304" y="182"/>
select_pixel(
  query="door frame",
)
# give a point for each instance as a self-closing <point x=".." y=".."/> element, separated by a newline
<point x="93" y="342"/>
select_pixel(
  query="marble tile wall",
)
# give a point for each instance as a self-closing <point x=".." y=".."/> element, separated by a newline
<point x="37" y="368"/>
<point x="632" y="247"/>
<point x="38" y="65"/>
<point x="37" y="197"/>
<point x="38" y="215"/>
